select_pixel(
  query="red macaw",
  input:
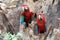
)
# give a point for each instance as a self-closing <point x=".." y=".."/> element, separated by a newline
<point x="41" y="23"/>
<point x="27" y="14"/>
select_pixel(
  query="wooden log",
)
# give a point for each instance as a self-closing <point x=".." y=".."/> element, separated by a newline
<point x="6" y="24"/>
<point x="3" y="28"/>
<point x="10" y="26"/>
<point x="50" y="29"/>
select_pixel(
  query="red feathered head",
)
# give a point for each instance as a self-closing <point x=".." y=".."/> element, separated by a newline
<point x="40" y="16"/>
<point x="25" y="7"/>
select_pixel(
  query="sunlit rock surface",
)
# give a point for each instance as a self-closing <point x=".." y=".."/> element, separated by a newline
<point x="13" y="8"/>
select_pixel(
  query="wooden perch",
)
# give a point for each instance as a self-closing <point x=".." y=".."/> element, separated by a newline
<point x="6" y="24"/>
<point x="10" y="27"/>
<point x="3" y="28"/>
<point x="50" y="29"/>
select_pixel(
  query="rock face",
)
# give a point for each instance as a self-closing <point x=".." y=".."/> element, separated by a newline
<point x="12" y="15"/>
<point x="50" y="8"/>
<point x="53" y="13"/>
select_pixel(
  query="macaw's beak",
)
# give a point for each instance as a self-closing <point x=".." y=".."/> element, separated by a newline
<point x="25" y="9"/>
<point x="40" y="19"/>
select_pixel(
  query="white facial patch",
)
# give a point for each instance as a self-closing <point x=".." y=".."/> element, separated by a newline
<point x="39" y="17"/>
<point x="24" y="8"/>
